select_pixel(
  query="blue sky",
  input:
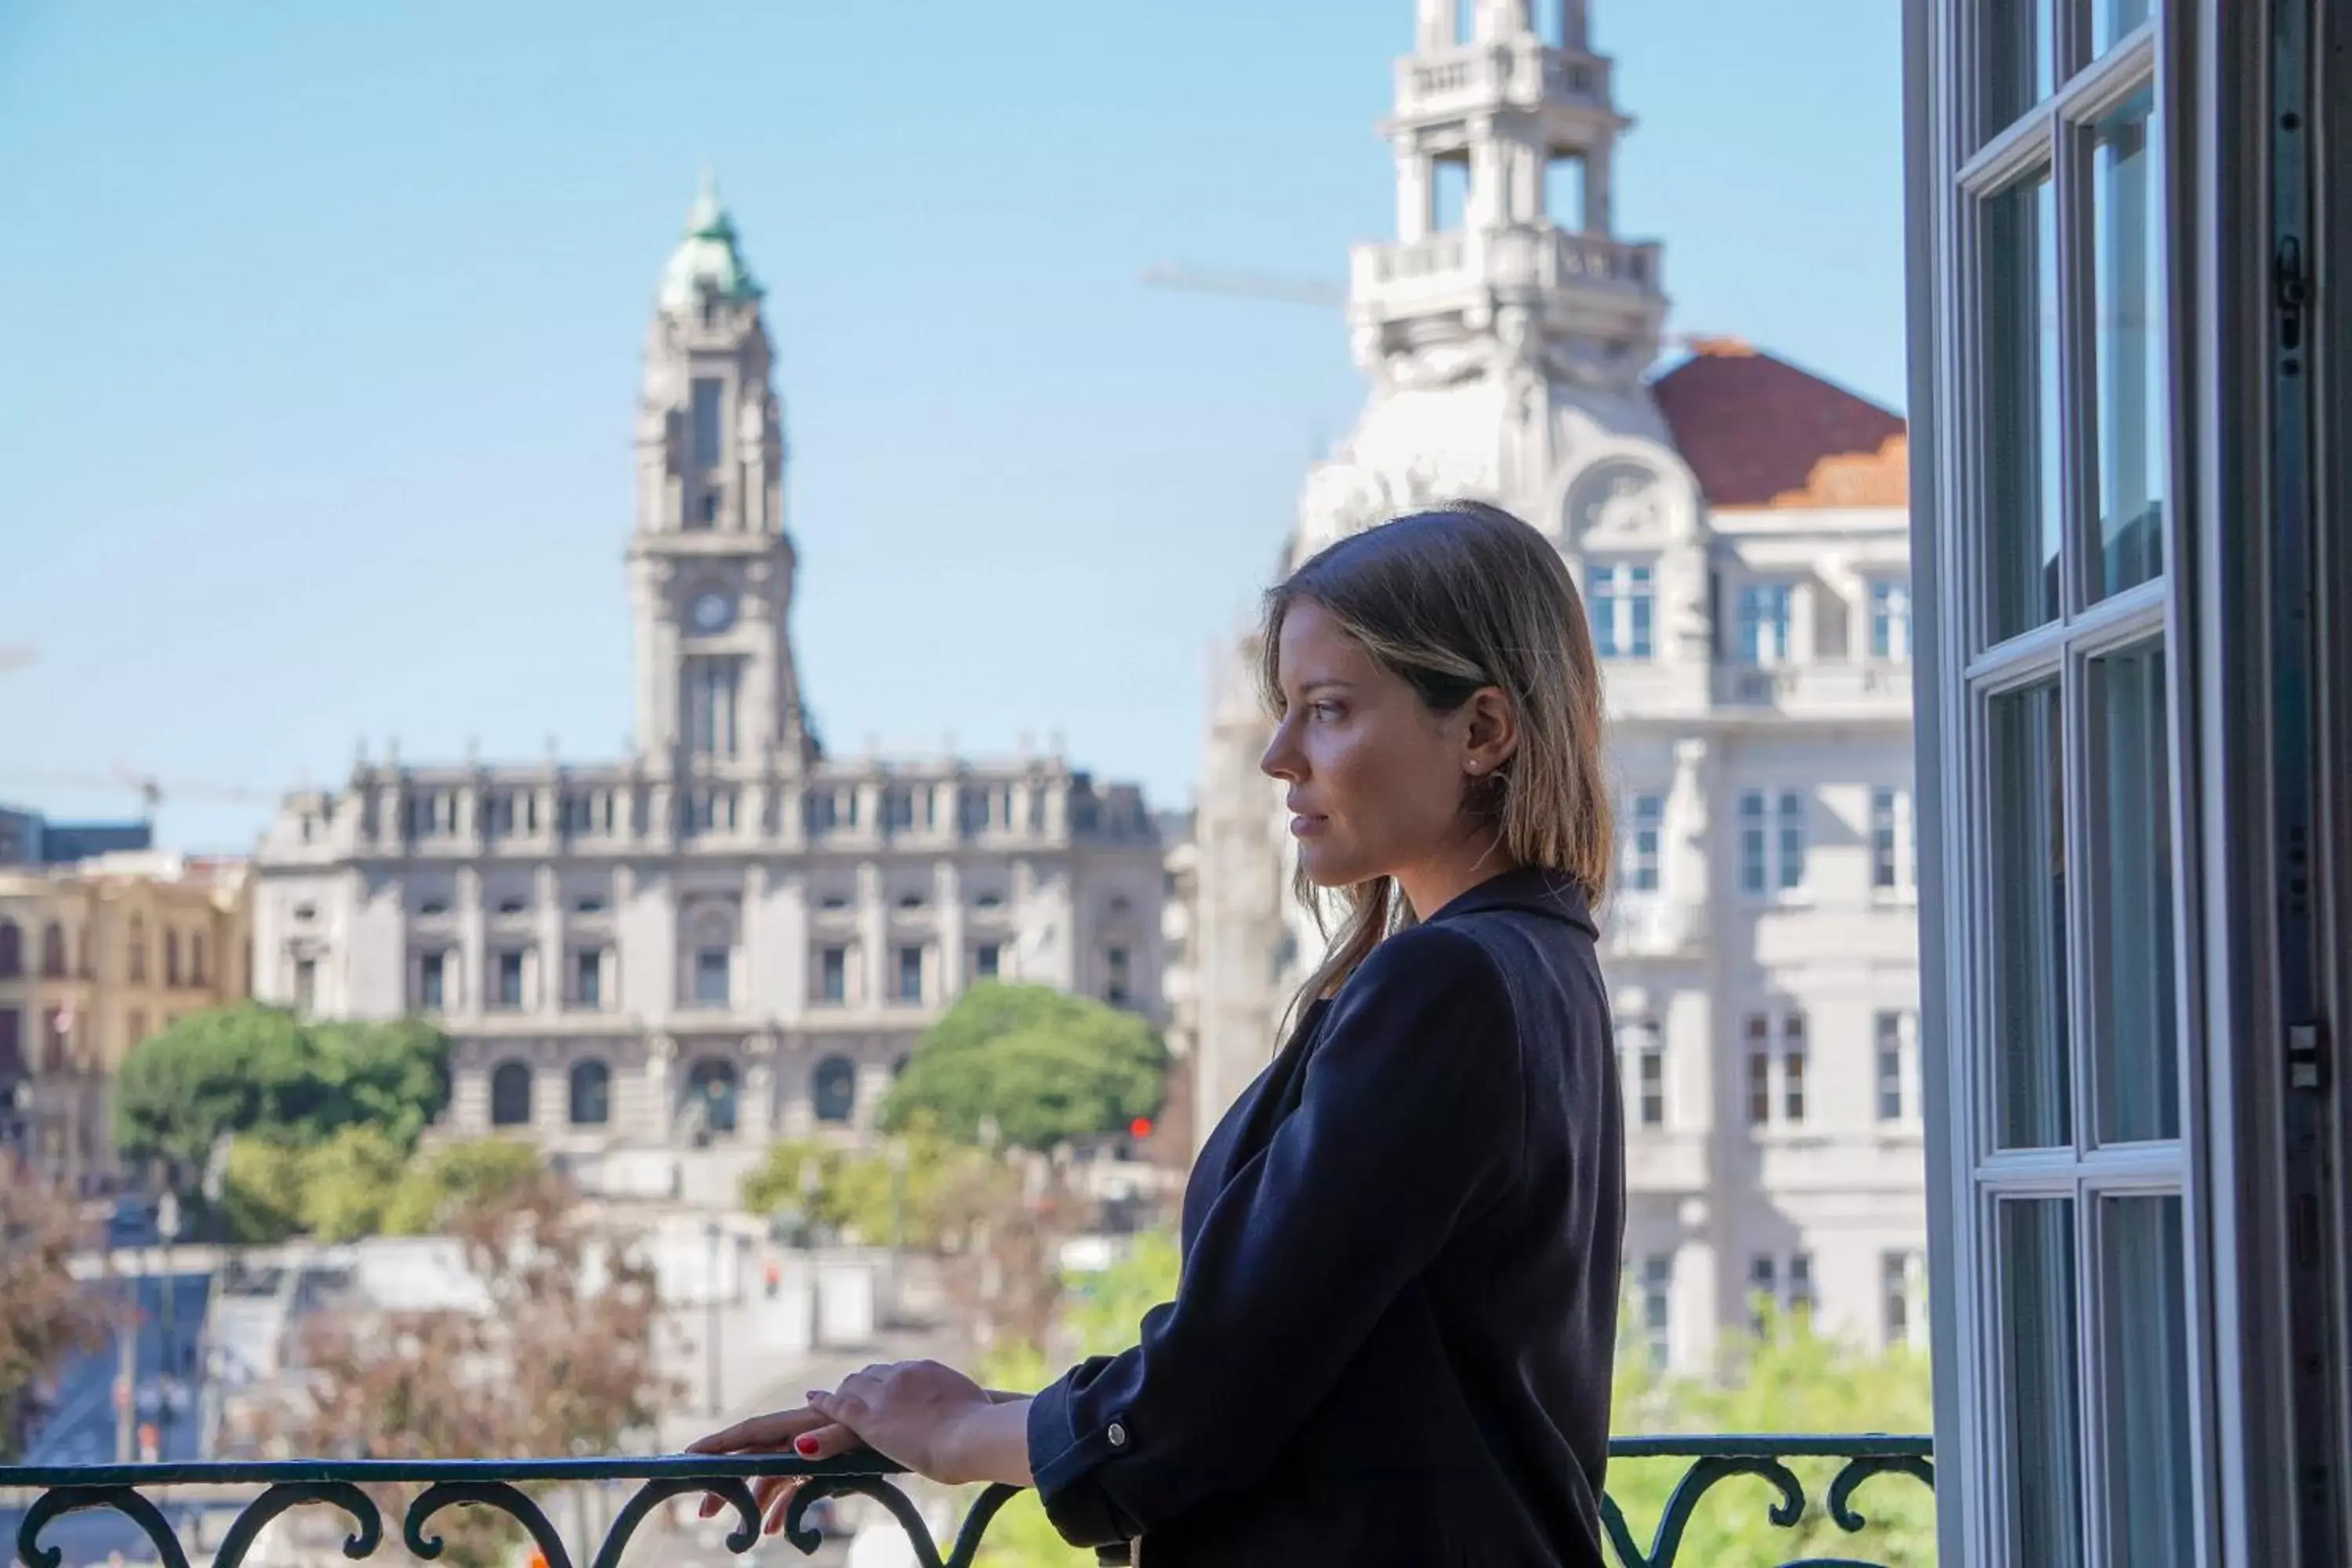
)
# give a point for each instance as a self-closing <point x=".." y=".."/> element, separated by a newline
<point x="320" y="332"/>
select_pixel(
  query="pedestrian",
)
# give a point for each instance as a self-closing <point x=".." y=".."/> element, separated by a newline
<point x="1393" y="1336"/>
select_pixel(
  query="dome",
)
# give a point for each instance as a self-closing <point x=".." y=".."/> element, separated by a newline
<point x="705" y="258"/>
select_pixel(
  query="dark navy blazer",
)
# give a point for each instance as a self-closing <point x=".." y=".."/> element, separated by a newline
<point x="1392" y="1339"/>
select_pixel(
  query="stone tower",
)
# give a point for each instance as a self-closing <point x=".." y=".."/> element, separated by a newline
<point x="710" y="565"/>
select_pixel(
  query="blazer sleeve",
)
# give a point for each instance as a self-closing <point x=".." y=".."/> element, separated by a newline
<point x="1411" y="1117"/>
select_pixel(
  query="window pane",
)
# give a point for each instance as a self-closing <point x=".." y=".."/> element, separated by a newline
<point x="2036" y="1237"/>
<point x="2022" y="411"/>
<point x="1792" y="841"/>
<point x="2149" y="1520"/>
<point x="2135" y="1064"/>
<point x="2111" y="19"/>
<point x="2018" y="49"/>
<point x="2029" y="920"/>
<point x="2127" y="340"/>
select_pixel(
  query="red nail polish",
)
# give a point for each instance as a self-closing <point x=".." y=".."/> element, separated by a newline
<point x="807" y="1444"/>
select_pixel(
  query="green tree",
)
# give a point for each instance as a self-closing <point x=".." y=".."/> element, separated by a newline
<point x="859" y="1194"/>
<point x="262" y="1071"/>
<point x="348" y="1183"/>
<point x="1044" y="1067"/>
<point x="261" y="1191"/>
<point x="444" y="1182"/>
<point x="1788" y="1378"/>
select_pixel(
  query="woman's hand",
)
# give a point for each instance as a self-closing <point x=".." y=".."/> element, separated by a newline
<point x="915" y="1413"/>
<point x="802" y="1431"/>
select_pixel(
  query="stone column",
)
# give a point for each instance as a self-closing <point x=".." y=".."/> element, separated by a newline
<point x="552" y="972"/>
<point x="756" y="1112"/>
<point x="947" y="892"/>
<point x="473" y="956"/>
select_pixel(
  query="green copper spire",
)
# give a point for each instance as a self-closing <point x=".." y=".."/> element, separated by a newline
<point x="706" y="258"/>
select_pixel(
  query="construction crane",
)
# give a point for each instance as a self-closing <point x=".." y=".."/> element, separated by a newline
<point x="150" y="789"/>
<point x="1293" y="289"/>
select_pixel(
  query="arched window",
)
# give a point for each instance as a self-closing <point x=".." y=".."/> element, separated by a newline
<point x="171" y="958"/>
<point x="138" y="947"/>
<point x="834" y="1089"/>
<point x="711" y="1084"/>
<point x="52" y="950"/>
<point x="592" y="1094"/>
<point x="511" y="1095"/>
<point x="12" y="951"/>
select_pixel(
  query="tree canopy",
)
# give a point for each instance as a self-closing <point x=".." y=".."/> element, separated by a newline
<point x="265" y="1072"/>
<point x="1043" y="1067"/>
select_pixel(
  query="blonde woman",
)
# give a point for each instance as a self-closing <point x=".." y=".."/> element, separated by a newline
<point x="1393" y="1337"/>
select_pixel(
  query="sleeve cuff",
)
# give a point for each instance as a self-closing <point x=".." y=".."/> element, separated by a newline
<point x="1065" y="1461"/>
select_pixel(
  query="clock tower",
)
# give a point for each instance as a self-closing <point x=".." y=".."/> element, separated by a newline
<point x="710" y="566"/>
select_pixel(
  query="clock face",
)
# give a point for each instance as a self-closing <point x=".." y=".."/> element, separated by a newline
<point x="711" y="611"/>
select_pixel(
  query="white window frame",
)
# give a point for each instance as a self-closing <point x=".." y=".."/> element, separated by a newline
<point x="1750" y="646"/>
<point x="1950" y="171"/>
<point x="1899" y="821"/>
<point x="1644" y="867"/>
<point x="1775" y="813"/>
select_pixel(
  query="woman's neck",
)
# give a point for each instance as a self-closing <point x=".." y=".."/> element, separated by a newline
<point x="1429" y="888"/>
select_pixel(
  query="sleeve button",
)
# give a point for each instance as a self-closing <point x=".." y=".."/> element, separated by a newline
<point x="1117" y="1436"/>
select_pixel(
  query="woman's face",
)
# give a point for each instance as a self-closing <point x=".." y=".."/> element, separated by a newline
<point x="1376" y="777"/>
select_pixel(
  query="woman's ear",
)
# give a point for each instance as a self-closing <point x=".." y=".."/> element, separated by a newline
<point x="1492" y="736"/>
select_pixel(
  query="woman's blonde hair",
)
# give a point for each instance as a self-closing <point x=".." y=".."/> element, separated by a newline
<point x="1453" y="600"/>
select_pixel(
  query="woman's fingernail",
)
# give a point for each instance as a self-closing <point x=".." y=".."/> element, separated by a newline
<point x="807" y="1444"/>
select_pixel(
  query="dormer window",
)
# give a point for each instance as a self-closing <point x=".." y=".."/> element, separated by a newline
<point x="511" y="906"/>
<point x="910" y="900"/>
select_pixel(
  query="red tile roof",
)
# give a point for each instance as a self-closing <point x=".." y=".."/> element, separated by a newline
<point x="1758" y="432"/>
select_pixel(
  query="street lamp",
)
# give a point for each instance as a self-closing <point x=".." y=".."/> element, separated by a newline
<point x="710" y="1400"/>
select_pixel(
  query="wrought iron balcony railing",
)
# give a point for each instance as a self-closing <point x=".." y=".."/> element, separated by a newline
<point x="44" y="1494"/>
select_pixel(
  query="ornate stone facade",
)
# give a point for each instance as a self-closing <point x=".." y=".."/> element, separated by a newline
<point x="1741" y="532"/>
<point x="731" y="933"/>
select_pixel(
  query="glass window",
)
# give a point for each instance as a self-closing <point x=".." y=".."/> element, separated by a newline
<point x="712" y="976"/>
<point x="506" y="983"/>
<point x="1895" y="1299"/>
<point x="711" y="1096"/>
<point x="2111" y="19"/>
<point x="2029" y="920"/>
<point x="2134" y="1042"/>
<point x="1792" y="840"/>
<point x="910" y="975"/>
<point x="511" y="1095"/>
<point x="196" y="975"/>
<point x="592" y="1094"/>
<point x="1887" y="1029"/>
<point x="1763" y="622"/>
<point x="1649" y="824"/>
<point x="2018" y="39"/>
<point x="2022" y="416"/>
<point x="1657" y="1306"/>
<point x="1792" y="1068"/>
<point x="834" y="1089"/>
<point x="2036" y="1317"/>
<point x="588" y="977"/>
<point x="306" y="983"/>
<point x="2127" y="343"/>
<point x="1759" y="1071"/>
<point x="1652" y="1069"/>
<point x="1885" y="866"/>
<point x="1800" y="1282"/>
<point x="1620" y="601"/>
<point x="2151" y="1519"/>
<point x="833" y="974"/>
<point x="1117" y="992"/>
<point x="712" y="687"/>
<point x="708" y="423"/>
<point x="1890" y="619"/>
<point x="984" y="960"/>
<point x="432" y="982"/>
<point x="1754" y="845"/>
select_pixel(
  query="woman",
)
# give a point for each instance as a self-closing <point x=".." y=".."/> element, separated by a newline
<point x="1393" y="1337"/>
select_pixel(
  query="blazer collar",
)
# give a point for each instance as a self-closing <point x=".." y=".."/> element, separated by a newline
<point x="1532" y="889"/>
